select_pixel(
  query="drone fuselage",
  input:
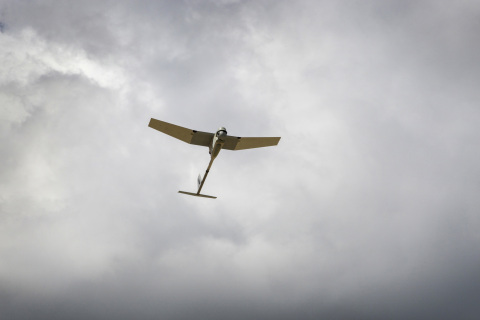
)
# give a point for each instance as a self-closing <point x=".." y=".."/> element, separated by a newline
<point x="217" y="142"/>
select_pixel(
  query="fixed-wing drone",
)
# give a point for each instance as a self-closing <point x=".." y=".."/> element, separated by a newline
<point x="214" y="141"/>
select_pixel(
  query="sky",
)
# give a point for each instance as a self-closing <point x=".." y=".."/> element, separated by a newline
<point x="367" y="209"/>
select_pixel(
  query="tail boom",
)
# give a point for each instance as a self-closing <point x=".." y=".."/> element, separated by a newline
<point x="200" y="184"/>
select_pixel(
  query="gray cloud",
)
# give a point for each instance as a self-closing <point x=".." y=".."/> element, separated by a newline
<point x="366" y="209"/>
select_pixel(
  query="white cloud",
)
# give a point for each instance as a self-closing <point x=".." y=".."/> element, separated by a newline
<point x="370" y="197"/>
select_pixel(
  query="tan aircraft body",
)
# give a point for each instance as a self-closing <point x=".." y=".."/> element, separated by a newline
<point x="214" y="141"/>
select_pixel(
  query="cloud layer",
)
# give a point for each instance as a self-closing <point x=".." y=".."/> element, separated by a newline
<point x="367" y="208"/>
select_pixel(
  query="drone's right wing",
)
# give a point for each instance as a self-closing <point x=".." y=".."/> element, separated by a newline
<point x="239" y="143"/>
<point x="198" y="138"/>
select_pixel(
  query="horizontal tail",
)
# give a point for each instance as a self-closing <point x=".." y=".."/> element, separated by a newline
<point x="197" y="194"/>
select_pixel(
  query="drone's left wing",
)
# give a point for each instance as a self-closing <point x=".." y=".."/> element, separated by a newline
<point x="239" y="143"/>
<point x="198" y="138"/>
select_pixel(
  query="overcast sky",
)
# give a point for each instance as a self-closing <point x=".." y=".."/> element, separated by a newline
<point x="369" y="207"/>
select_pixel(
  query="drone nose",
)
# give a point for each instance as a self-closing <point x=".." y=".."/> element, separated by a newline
<point x="221" y="134"/>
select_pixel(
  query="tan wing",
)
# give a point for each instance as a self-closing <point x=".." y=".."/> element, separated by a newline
<point x="239" y="143"/>
<point x="198" y="138"/>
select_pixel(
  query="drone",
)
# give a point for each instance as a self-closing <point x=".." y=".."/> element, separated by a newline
<point x="215" y="143"/>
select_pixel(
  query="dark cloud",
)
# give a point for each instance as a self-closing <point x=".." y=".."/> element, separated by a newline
<point x="367" y="209"/>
